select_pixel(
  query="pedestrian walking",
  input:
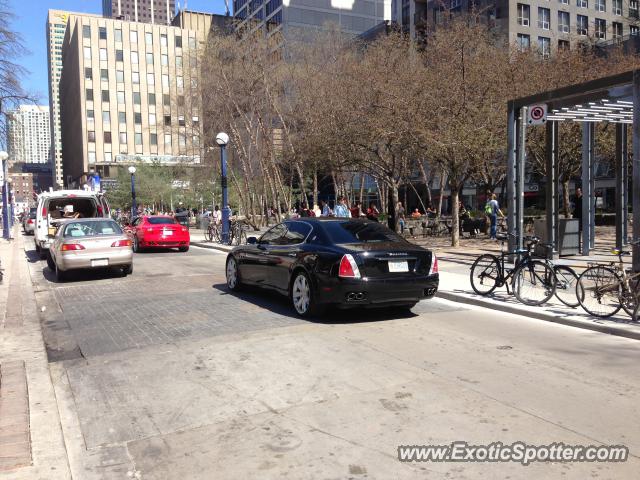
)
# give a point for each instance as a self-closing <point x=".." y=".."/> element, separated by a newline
<point x="492" y="210"/>
<point x="216" y="216"/>
<point x="325" y="209"/>
<point x="342" y="210"/>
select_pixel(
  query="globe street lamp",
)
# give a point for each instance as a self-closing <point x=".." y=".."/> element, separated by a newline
<point x="222" y="139"/>
<point x="6" y="234"/>
<point x="134" y="208"/>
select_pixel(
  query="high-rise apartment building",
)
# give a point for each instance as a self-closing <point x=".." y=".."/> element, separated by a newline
<point x="147" y="11"/>
<point x="29" y="135"/>
<point x="129" y="93"/>
<point x="352" y="16"/>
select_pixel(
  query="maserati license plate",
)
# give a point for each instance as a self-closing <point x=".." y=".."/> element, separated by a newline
<point x="398" y="266"/>
<point x="101" y="262"/>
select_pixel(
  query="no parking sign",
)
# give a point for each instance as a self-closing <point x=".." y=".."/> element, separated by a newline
<point x="537" y="114"/>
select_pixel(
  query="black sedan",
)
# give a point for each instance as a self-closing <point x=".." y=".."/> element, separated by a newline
<point x="318" y="262"/>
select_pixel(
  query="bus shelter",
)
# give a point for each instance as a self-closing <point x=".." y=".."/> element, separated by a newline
<point x="614" y="99"/>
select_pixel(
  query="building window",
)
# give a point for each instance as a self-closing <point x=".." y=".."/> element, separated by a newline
<point x="167" y="140"/>
<point x="107" y="137"/>
<point x="544" y="18"/>
<point x="544" y="46"/>
<point x="134" y="58"/>
<point x="107" y="157"/>
<point x="135" y="77"/>
<point x="179" y="61"/>
<point x="167" y="120"/>
<point x="91" y="136"/>
<point x="133" y="36"/>
<point x="178" y="41"/>
<point x="103" y="54"/>
<point x="582" y="3"/>
<point x="152" y="119"/>
<point x="153" y="137"/>
<point x="182" y="139"/>
<point x="92" y="158"/>
<point x="137" y="118"/>
<point x="120" y="96"/>
<point x="89" y="94"/>
<point x="138" y="137"/>
<point x="102" y="33"/>
<point x="106" y="117"/>
<point x="563" y="22"/>
<point x="122" y="117"/>
<point x="86" y="31"/>
<point x="165" y="81"/>
<point x="524" y="42"/>
<point x="123" y="137"/>
<point x="119" y="56"/>
<point x="120" y="76"/>
<point x="136" y="98"/>
<point x="87" y="53"/>
<point x="181" y="120"/>
<point x="616" y="7"/>
<point x="181" y="100"/>
<point x="192" y="43"/>
<point x="524" y="14"/>
<point x="180" y="82"/>
<point x="163" y="39"/>
<point x="88" y="73"/>
<point x="149" y="58"/>
<point x="601" y="28"/>
<point x="104" y="74"/>
<point x="151" y="99"/>
<point x="164" y="60"/>
<point x="633" y="9"/>
<point x="118" y="34"/>
<point x="90" y="115"/>
<point x="105" y="95"/>
<point x="633" y="30"/>
<point x="583" y="25"/>
<point x="151" y="79"/>
<point x="166" y="100"/>
<point x="616" y="29"/>
<point x="148" y="38"/>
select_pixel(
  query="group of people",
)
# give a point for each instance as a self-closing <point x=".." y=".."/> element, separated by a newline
<point x="340" y="210"/>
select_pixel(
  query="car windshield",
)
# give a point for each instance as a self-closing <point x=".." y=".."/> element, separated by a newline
<point x="91" y="229"/>
<point x="161" y="220"/>
<point x="360" y="232"/>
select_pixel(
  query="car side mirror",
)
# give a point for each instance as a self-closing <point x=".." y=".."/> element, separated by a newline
<point x="252" y="240"/>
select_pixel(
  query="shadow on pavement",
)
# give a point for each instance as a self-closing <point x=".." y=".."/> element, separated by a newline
<point x="281" y="305"/>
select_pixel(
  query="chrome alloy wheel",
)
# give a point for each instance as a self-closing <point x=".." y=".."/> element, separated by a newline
<point x="232" y="273"/>
<point x="300" y="294"/>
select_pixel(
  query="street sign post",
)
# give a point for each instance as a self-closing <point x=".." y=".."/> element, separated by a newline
<point x="537" y="114"/>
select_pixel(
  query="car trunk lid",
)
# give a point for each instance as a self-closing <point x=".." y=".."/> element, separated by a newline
<point x="390" y="259"/>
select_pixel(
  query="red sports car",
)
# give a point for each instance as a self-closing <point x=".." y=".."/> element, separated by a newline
<point x="158" y="231"/>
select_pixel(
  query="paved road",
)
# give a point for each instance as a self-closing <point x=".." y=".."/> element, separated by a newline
<point x="164" y="374"/>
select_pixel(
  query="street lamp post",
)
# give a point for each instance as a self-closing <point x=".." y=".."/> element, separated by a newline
<point x="6" y="233"/>
<point x="134" y="208"/>
<point x="222" y="139"/>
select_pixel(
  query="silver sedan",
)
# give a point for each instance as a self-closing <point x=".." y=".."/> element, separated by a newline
<point x="90" y="243"/>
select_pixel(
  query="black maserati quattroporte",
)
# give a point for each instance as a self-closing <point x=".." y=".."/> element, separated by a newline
<point x="344" y="262"/>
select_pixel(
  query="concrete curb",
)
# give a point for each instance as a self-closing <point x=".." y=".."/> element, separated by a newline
<point x="212" y="246"/>
<point x="539" y="315"/>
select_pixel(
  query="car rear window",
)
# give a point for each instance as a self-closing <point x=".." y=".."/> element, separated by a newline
<point x="360" y="232"/>
<point x="92" y="229"/>
<point x="161" y="220"/>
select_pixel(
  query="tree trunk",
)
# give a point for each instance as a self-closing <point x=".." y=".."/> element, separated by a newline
<point x="443" y="177"/>
<point x="315" y="187"/>
<point x="393" y="207"/>
<point x="361" y="187"/>
<point x="565" y="196"/>
<point x="455" y="219"/>
<point x="425" y="180"/>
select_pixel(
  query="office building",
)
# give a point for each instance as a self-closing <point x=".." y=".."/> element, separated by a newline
<point x="129" y="94"/>
<point x="148" y="11"/>
<point x="270" y="16"/>
<point x="29" y="135"/>
<point x="21" y="185"/>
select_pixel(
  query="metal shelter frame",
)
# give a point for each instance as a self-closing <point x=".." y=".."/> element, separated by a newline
<point x="614" y="99"/>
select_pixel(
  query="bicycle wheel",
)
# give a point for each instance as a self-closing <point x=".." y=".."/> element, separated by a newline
<point x="240" y="237"/>
<point x="566" y="281"/>
<point x="485" y="273"/>
<point x="629" y="298"/>
<point x="598" y="291"/>
<point x="215" y="233"/>
<point x="208" y="236"/>
<point x="636" y="314"/>
<point x="534" y="283"/>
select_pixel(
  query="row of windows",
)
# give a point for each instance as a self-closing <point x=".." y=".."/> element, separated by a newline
<point x="135" y="78"/>
<point x="135" y="58"/>
<point x="564" y="22"/>
<point x="601" y="5"/>
<point x="137" y="118"/>
<point x="153" y="138"/>
<point x="133" y="36"/>
<point x="137" y="98"/>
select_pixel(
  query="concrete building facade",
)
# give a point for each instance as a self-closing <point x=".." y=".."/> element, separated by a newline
<point x="287" y="16"/>
<point x="29" y="135"/>
<point x="160" y="12"/>
<point x="129" y="93"/>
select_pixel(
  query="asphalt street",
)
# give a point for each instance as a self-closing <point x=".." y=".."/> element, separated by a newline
<point x="165" y="374"/>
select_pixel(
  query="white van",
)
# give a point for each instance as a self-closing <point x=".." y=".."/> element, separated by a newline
<point x="59" y="205"/>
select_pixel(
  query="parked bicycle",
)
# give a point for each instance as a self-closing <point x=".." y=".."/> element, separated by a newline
<point x="603" y="290"/>
<point x="238" y="232"/>
<point x="212" y="234"/>
<point x="533" y="281"/>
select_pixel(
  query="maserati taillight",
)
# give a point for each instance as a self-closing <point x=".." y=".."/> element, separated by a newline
<point x="348" y="267"/>
<point x="434" y="264"/>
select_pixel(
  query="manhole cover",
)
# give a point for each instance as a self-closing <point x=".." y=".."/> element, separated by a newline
<point x="504" y="347"/>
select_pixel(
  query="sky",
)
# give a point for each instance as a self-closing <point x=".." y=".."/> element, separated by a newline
<point x="31" y="18"/>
